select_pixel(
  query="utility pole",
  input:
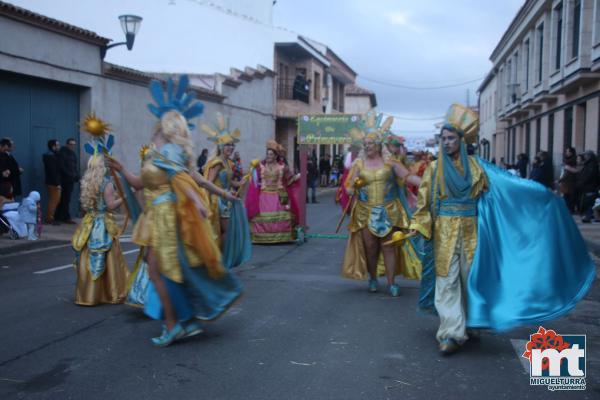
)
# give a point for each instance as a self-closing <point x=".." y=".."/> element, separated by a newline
<point x="468" y="99"/>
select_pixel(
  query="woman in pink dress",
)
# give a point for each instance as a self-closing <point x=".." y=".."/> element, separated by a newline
<point x="271" y="201"/>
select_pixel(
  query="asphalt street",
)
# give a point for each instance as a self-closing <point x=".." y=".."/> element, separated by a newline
<point x="299" y="332"/>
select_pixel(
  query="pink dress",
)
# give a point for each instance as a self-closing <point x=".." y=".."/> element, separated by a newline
<point x="272" y="205"/>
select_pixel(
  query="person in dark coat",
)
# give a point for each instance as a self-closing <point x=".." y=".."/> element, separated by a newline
<point x="6" y="190"/>
<point x="542" y="170"/>
<point x="522" y="163"/>
<point x="52" y="179"/>
<point x="587" y="184"/>
<point x="69" y="175"/>
<point x="568" y="178"/>
<point x="312" y="175"/>
<point x="15" y="170"/>
<point x="202" y="160"/>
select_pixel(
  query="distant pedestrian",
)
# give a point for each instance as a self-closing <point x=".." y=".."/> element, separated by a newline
<point x="69" y="175"/>
<point x="6" y="190"/>
<point x="52" y="178"/>
<point x="587" y="184"/>
<point x="202" y="160"/>
<point x="238" y="170"/>
<point x="15" y="170"/>
<point x="312" y="175"/>
<point x="522" y="164"/>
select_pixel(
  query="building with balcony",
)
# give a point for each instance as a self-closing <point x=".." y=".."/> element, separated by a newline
<point x="543" y="92"/>
<point x="311" y="79"/>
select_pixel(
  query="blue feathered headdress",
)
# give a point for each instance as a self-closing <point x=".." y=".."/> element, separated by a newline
<point x="181" y="100"/>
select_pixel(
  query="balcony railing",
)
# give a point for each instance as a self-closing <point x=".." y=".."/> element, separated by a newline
<point x="293" y="89"/>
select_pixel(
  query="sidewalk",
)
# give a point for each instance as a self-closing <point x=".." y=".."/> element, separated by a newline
<point x="52" y="235"/>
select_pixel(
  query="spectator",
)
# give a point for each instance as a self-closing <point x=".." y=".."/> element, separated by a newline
<point x="52" y="179"/>
<point x="542" y="170"/>
<point x="325" y="169"/>
<point x="312" y="175"/>
<point x="568" y="176"/>
<point x="5" y="180"/>
<point x="28" y="211"/>
<point x="68" y="177"/>
<point x="300" y="90"/>
<point x="202" y="160"/>
<point x="15" y="170"/>
<point x="238" y="170"/>
<point x="522" y="163"/>
<point x="587" y="184"/>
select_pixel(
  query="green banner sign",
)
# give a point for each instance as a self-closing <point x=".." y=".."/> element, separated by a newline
<point x="326" y="128"/>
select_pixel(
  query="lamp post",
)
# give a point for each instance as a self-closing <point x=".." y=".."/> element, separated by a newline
<point x="130" y="25"/>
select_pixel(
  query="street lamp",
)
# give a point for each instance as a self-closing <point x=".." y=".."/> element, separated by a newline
<point x="130" y="25"/>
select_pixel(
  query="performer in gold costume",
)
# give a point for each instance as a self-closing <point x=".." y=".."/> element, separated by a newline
<point x="455" y="221"/>
<point x="378" y="211"/>
<point x="102" y="272"/>
<point x="219" y="170"/>
<point x="188" y="280"/>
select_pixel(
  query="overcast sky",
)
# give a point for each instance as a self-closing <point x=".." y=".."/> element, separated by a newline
<point x="424" y="43"/>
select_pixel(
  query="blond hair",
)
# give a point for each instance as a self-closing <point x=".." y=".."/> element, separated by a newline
<point x="91" y="182"/>
<point x="175" y="129"/>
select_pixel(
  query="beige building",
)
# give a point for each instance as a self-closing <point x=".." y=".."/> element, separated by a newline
<point x="359" y="100"/>
<point x="311" y="80"/>
<point x="543" y="92"/>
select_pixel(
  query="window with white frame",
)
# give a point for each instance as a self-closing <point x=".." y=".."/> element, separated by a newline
<point x="540" y="51"/>
<point x="557" y="16"/>
<point x="596" y="22"/>
<point x="526" y="65"/>
<point x="575" y="13"/>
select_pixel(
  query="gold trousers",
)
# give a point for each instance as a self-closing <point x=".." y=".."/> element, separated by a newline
<point x="53" y="200"/>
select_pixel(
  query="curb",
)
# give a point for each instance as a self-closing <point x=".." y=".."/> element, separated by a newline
<point x="31" y="245"/>
<point x="593" y="247"/>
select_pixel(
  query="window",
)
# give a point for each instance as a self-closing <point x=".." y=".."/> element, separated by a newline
<point x="550" y="149"/>
<point x="513" y="144"/>
<point x="576" y="27"/>
<point x="568" y="128"/>
<point x="334" y="93"/>
<point x="538" y="134"/>
<point x="528" y="138"/>
<point x="540" y="51"/>
<point x="341" y="97"/>
<point x="582" y="118"/>
<point x="596" y="21"/>
<point x="516" y="69"/>
<point x="508" y="82"/>
<point x="317" y="89"/>
<point x="526" y="65"/>
<point x="558" y="11"/>
<point x="507" y="152"/>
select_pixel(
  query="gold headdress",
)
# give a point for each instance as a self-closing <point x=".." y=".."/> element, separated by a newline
<point x="463" y="120"/>
<point x="220" y="134"/>
<point x="371" y="127"/>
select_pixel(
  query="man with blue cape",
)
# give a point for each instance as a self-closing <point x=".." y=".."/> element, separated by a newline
<point x="506" y="250"/>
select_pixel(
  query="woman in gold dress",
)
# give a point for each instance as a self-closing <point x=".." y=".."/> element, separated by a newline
<point x="102" y="272"/>
<point x="188" y="280"/>
<point x="378" y="212"/>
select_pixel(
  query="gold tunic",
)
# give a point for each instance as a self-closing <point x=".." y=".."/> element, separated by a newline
<point x="157" y="226"/>
<point x="446" y="230"/>
<point x="223" y="181"/>
<point x="378" y="185"/>
<point x="380" y="190"/>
